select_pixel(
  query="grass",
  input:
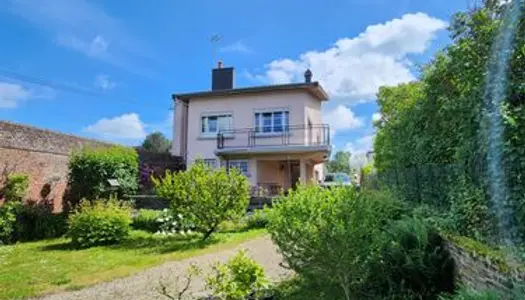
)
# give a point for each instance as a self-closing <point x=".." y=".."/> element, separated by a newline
<point x="32" y="269"/>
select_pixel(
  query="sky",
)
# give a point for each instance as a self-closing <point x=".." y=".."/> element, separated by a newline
<point x="107" y="69"/>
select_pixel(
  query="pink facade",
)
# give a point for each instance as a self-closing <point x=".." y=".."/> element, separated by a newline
<point x="275" y="135"/>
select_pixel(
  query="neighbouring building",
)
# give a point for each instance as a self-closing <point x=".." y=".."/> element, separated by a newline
<point x="274" y="134"/>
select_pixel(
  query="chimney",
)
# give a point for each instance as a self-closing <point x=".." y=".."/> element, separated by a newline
<point x="308" y="76"/>
<point x="222" y="78"/>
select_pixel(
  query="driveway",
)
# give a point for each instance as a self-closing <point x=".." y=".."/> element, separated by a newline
<point x="145" y="285"/>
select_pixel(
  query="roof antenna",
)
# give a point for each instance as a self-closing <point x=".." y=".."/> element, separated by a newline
<point x="215" y="39"/>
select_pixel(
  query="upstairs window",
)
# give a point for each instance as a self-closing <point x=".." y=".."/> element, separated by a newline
<point x="272" y="122"/>
<point x="213" y="124"/>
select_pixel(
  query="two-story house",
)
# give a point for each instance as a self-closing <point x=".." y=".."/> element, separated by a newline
<point x="274" y="134"/>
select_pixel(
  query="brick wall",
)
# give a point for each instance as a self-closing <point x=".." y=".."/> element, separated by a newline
<point x="44" y="154"/>
<point x="41" y="154"/>
<point x="480" y="273"/>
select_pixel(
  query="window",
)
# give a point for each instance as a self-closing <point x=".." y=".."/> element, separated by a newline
<point x="212" y="163"/>
<point x="272" y="122"/>
<point x="213" y="124"/>
<point x="242" y="165"/>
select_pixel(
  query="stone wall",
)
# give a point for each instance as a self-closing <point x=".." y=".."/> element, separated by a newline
<point x="44" y="154"/>
<point x="481" y="273"/>
<point x="41" y="154"/>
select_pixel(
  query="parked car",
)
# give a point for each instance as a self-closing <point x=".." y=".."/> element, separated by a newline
<point x="336" y="179"/>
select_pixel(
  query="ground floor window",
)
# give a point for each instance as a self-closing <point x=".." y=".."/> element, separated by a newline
<point x="211" y="162"/>
<point x="242" y="165"/>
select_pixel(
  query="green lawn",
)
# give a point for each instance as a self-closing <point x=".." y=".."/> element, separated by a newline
<point x="30" y="269"/>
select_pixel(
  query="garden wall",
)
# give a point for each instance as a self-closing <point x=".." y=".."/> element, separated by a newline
<point x="482" y="273"/>
<point x="44" y="154"/>
<point x="41" y="154"/>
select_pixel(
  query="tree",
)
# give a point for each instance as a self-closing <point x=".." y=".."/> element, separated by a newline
<point x="204" y="196"/>
<point x="156" y="142"/>
<point x="90" y="169"/>
<point x="340" y="163"/>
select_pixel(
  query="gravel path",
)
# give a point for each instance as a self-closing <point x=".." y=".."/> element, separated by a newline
<point x="144" y="285"/>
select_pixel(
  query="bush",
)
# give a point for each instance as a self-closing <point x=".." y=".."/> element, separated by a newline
<point x="415" y="263"/>
<point x="99" y="223"/>
<point x="238" y="278"/>
<point x="90" y="168"/>
<point x="35" y="222"/>
<point x="7" y="222"/>
<point x="171" y="223"/>
<point x="332" y="236"/>
<point x="147" y="220"/>
<point x="469" y="213"/>
<point x="257" y="219"/>
<point x="16" y="186"/>
<point x="204" y="196"/>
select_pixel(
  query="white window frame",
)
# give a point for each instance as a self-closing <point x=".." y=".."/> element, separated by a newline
<point x="204" y="127"/>
<point x="237" y="164"/>
<point x="285" y="121"/>
<point x="211" y="162"/>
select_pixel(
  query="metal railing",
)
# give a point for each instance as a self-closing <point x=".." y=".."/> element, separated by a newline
<point x="292" y="135"/>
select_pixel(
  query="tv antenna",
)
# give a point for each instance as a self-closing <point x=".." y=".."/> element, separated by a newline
<point x="215" y="39"/>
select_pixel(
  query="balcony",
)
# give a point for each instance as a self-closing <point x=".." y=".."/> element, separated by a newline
<point x="293" y="138"/>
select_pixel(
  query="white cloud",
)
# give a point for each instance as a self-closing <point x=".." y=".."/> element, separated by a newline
<point x="376" y="117"/>
<point x="96" y="47"/>
<point x="353" y="69"/>
<point x="237" y="47"/>
<point x="103" y="82"/>
<point x="358" y="149"/>
<point x="342" y="118"/>
<point x="127" y="126"/>
<point x="12" y="94"/>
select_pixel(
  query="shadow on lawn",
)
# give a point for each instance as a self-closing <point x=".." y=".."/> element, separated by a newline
<point x="147" y="244"/>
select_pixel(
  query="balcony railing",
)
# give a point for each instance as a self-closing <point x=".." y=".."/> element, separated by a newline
<point x="292" y="135"/>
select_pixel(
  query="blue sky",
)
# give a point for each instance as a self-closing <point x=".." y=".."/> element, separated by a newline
<point x="106" y="70"/>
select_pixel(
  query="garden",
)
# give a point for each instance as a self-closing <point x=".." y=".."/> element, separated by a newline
<point x="440" y="215"/>
<point x="102" y="237"/>
<point x="441" y="212"/>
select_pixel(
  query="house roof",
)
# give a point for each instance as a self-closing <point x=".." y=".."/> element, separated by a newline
<point x="314" y="88"/>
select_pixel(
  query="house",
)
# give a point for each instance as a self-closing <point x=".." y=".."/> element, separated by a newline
<point x="274" y="134"/>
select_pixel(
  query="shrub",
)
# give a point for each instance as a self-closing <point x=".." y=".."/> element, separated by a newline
<point x="7" y="222"/>
<point x="205" y="196"/>
<point x="147" y="220"/>
<point x="469" y="213"/>
<point x="16" y="186"/>
<point x="99" y="223"/>
<point x="332" y="236"/>
<point x="171" y="223"/>
<point x="35" y="222"/>
<point x="414" y="262"/>
<point x="90" y="168"/>
<point x="238" y="278"/>
<point x="257" y="219"/>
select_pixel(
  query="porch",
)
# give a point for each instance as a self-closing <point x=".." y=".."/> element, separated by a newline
<point x="272" y="175"/>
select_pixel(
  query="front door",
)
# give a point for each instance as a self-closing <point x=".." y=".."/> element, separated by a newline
<point x="295" y="173"/>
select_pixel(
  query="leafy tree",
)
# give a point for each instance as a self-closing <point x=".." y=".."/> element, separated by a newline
<point x="340" y="163"/>
<point x="205" y="196"/>
<point x="433" y="136"/>
<point x="156" y="142"/>
<point x="90" y="169"/>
